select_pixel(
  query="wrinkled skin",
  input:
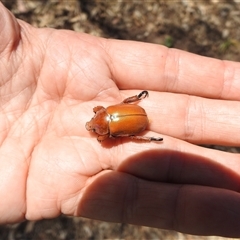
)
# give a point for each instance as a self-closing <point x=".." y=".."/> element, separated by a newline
<point x="50" y="164"/>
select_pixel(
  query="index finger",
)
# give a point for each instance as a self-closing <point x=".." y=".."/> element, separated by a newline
<point x="155" y="67"/>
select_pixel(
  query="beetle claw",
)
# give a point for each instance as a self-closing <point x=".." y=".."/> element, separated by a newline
<point x="146" y="139"/>
<point x="136" y="98"/>
<point x="159" y="139"/>
<point x="142" y="95"/>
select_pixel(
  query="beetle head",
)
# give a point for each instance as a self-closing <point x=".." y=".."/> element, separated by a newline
<point x="99" y="123"/>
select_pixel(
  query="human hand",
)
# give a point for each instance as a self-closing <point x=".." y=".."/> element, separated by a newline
<point x="50" y="164"/>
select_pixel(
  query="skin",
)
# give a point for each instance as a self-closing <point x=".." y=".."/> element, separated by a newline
<point x="50" y="164"/>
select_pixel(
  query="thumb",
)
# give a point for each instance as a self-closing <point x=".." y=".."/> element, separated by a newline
<point x="9" y="29"/>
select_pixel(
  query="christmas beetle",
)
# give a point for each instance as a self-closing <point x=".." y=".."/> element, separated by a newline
<point x="121" y="120"/>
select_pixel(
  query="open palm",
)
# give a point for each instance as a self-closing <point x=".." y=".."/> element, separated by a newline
<point x="50" y="164"/>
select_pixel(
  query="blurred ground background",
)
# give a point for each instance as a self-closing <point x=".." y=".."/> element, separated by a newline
<point x="206" y="27"/>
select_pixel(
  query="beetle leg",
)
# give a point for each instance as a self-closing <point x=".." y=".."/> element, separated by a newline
<point x="135" y="98"/>
<point x="98" y="108"/>
<point x="101" y="138"/>
<point x="146" y="139"/>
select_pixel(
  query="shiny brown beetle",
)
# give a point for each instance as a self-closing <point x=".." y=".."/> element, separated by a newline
<point x="121" y="120"/>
